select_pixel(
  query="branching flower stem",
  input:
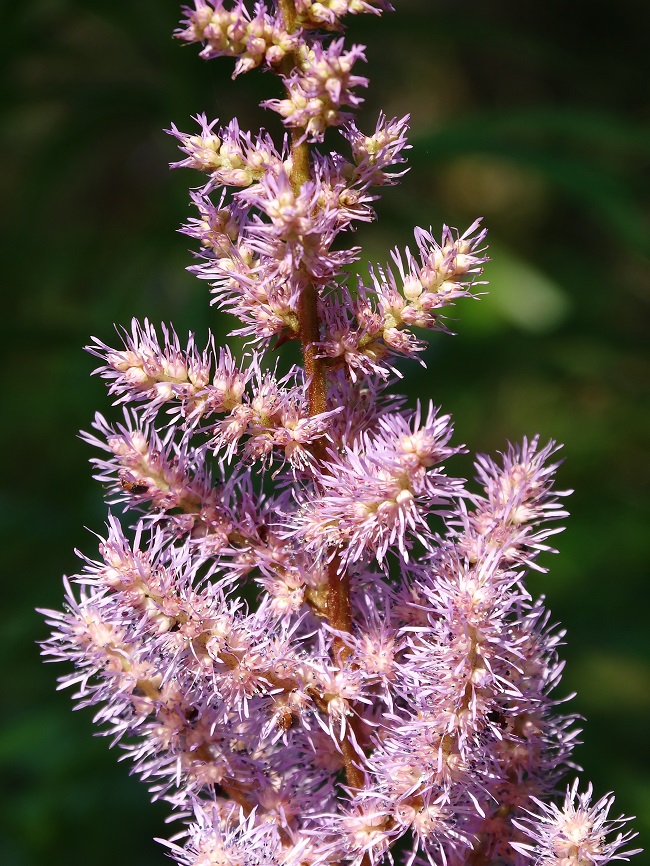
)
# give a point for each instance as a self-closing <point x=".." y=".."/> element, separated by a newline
<point x="308" y="305"/>
<point x="338" y="597"/>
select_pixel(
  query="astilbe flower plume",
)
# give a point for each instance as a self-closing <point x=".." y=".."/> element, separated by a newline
<point x="311" y="640"/>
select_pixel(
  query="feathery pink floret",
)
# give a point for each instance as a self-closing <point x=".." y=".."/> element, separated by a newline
<point x="319" y="87"/>
<point x="367" y="331"/>
<point x="518" y="503"/>
<point x="375" y="494"/>
<point x="231" y="157"/>
<point x="253" y="37"/>
<point x="192" y="385"/>
<point x="575" y="833"/>
<point x="327" y="13"/>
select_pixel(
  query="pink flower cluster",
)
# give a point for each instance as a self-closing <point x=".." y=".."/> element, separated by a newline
<point x="312" y="640"/>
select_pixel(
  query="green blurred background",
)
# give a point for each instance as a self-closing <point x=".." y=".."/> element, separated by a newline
<point x="532" y="115"/>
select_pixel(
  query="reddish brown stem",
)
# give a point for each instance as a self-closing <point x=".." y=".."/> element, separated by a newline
<point x="300" y="171"/>
<point x="309" y="324"/>
<point x="338" y="596"/>
<point x="308" y="306"/>
<point x="340" y="615"/>
<point x="353" y="772"/>
<point x="309" y="336"/>
<point x="288" y="10"/>
<point x="338" y="606"/>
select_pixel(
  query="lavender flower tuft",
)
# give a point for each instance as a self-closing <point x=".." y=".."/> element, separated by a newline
<point x="311" y="638"/>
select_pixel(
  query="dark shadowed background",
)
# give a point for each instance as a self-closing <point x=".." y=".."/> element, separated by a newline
<point x="533" y="115"/>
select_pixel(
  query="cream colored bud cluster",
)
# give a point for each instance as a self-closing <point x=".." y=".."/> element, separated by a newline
<point x="428" y="287"/>
<point x="271" y="419"/>
<point x="270" y="306"/>
<point x="261" y="39"/>
<point x="172" y="481"/>
<point x="235" y="264"/>
<point x="162" y="377"/>
<point x="291" y="213"/>
<point x="319" y="88"/>
<point x="195" y="383"/>
<point x="148" y="589"/>
<point x="327" y="13"/>
<point x="384" y="313"/>
<point x="230" y="157"/>
<point x="217" y="230"/>
<point x="373" y="153"/>
<point x="375" y="493"/>
<point x="147" y="473"/>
